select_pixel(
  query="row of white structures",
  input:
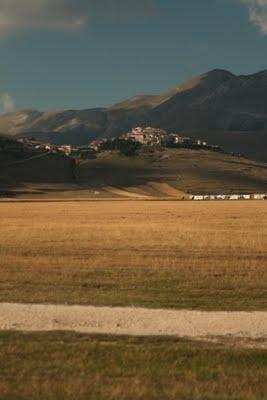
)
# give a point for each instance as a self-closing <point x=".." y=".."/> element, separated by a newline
<point x="229" y="197"/>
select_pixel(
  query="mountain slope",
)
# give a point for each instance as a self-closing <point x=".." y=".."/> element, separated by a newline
<point x="156" y="100"/>
<point x="218" y="100"/>
<point x="164" y="172"/>
<point x="76" y="127"/>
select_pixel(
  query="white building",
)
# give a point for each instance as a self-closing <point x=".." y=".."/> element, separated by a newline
<point x="198" y="198"/>
<point x="66" y="149"/>
<point x="260" y="196"/>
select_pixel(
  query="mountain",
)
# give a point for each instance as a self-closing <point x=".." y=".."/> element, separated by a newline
<point x="218" y="100"/>
<point x="217" y="106"/>
<point x="76" y="127"/>
<point x="152" y="101"/>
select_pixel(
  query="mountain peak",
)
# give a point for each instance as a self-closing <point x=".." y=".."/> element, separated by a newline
<point x="219" y="74"/>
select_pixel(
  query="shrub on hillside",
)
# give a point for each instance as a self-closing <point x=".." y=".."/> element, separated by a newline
<point x="125" y="147"/>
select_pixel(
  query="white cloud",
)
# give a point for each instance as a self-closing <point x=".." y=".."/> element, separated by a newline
<point x="258" y="13"/>
<point x="23" y="15"/>
<point x="7" y="103"/>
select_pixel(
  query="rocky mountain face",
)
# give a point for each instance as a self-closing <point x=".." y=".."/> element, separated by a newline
<point x="218" y="106"/>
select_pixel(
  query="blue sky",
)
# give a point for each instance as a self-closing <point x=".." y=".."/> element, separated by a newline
<point x="88" y="53"/>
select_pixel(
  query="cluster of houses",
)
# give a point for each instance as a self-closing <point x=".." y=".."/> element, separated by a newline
<point x="149" y="136"/>
<point x="229" y="197"/>
<point x="146" y="136"/>
<point x="154" y="136"/>
<point x="32" y="144"/>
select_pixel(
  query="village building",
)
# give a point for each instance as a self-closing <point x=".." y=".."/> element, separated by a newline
<point x="147" y="136"/>
<point x="234" y="197"/>
<point x="260" y="197"/>
<point x="66" y="149"/>
<point x="229" y="197"/>
<point x="94" y="145"/>
<point x="201" y="143"/>
<point x="155" y="136"/>
<point x="180" y="140"/>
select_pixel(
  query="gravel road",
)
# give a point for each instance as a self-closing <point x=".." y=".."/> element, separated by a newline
<point x="135" y="321"/>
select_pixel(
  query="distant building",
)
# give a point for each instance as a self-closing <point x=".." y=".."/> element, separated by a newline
<point x="234" y="197"/>
<point x="48" y="147"/>
<point x="229" y="197"/>
<point x="94" y="145"/>
<point x="147" y="136"/>
<point x="198" y="198"/>
<point x="260" y="196"/>
<point x="66" y="149"/>
<point x="155" y="136"/>
<point x="181" y="140"/>
<point x="201" y="143"/>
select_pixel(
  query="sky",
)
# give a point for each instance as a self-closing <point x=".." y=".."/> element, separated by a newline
<point x="58" y="54"/>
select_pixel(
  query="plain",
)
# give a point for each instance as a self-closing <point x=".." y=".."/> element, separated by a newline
<point x="169" y="254"/>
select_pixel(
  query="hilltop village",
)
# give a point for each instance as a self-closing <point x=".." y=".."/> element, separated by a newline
<point x="154" y="137"/>
<point x="128" y="143"/>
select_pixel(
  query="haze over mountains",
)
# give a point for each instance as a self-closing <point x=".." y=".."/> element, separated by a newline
<point x="217" y="106"/>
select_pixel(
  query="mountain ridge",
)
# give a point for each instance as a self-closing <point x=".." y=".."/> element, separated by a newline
<point x="215" y="101"/>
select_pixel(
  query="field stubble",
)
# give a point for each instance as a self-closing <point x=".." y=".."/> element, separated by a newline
<point x="154" y="254"/>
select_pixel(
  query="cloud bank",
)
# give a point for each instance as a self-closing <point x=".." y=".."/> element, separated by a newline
<point x="24" y="15"/>
<point x="7" y="103"/>
<point x="258" y="13"/>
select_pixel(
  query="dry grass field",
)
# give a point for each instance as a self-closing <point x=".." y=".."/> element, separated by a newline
<point x="56" y="366"/>
<point x="210" y="255"/>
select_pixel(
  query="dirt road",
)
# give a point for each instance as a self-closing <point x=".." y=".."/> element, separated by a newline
<point x="135" y="321"/>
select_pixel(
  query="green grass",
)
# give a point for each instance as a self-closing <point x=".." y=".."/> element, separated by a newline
<point x="73" y="366"/>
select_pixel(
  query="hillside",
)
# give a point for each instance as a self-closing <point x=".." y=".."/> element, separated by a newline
<point x="152" y="172"/>
<point x="216" y="100"/>
<point x="173" y="172"/>
<point x="222" y="108"/>
<point x="23" y="170"/>
<point x="156" y="100"/>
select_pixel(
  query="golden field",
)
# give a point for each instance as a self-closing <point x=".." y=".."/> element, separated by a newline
<point x="210" y="255"/>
